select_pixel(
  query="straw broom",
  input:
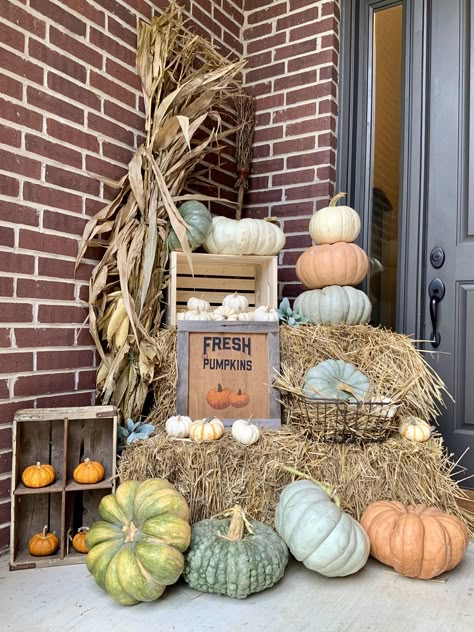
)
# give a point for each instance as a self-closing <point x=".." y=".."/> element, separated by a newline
<point x="245" y="110"/>
<point x="185" y="83"/>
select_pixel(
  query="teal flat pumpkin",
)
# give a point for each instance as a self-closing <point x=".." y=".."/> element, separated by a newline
<point x="199" y="220"/>
<point x="336" y="379"/>
<point x="223" y="559"/>
<point x="136" y="550"/>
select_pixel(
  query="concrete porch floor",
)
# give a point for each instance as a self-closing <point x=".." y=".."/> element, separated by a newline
<point x="66" y="599"/>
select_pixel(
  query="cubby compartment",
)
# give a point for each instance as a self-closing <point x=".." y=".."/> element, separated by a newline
<point x="62" y="437"/>
<point x="81" y="510"/>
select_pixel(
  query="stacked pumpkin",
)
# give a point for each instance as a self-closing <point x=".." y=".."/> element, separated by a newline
<point x="332" y="267"/>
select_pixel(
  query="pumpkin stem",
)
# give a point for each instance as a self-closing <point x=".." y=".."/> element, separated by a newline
<point x="330" y="491"/>
<point x="130" y="532"/>
<point x="87" y="461"/>
<point x="38" y="464"/>
<point x="44" y="531"/>
<point x="219" y="388"/>
<point x="336" y="198"/>
<point x="346" y="388"/>
<point x="237" y="526"/>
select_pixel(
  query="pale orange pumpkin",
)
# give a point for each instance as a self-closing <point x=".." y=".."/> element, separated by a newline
<point x="39" y="475"/>
<point x="332" y="264"/>
<point x="79" y="540"/>
<point x="209" y="429"/>
<point x="43" y="543"/>
<point x="416" y="540"/>
<point x="89" y="472"/>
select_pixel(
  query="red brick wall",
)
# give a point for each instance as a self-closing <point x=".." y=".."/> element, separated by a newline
<point x="293" y="48"/>
<point x="71" y="108"/>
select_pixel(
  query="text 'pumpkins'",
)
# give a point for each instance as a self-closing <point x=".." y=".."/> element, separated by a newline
<point x="234" y="557"/>
<point x="318" y="533"/>
<point x="136" y="550"/>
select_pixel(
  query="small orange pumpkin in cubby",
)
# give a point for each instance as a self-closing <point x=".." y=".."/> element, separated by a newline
<point x="89" y="472"/>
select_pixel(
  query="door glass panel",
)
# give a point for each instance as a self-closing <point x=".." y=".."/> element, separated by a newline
<point x="386" y="154"/>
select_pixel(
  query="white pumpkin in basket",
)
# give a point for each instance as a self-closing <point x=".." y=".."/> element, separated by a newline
<point x="224" y="313"/>
<point x="235" y="301"/>
<point x="247" y="316"/>
<point x="245" y="432"/>
<point x="198" y="305"/>
<point x="266" y="314"/>
<point x="194" y="315"/>
<point x="178" y="426"/>
<point x="244" y="237"/>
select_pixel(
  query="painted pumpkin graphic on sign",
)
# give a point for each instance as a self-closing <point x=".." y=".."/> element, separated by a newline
<point x="218" y="397"/>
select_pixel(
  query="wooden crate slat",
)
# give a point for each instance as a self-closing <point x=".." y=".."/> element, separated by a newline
<point x="213" y="297"/>
<point x="81" y="412"/>
<point x="232" y="285"/>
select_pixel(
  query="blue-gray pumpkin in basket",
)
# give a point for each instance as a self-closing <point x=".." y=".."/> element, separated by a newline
<point x="234" y="556"/>
<point x="336" y="379"/>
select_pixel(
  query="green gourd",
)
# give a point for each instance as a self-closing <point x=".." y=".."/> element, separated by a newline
<point x="334" y="305"/>
<point x="318" y="533"/>
<point x="136" y="550"/>
<point x="198" y="219"/>
<point x="223" y="559"/>
<point x="336" y="379"/>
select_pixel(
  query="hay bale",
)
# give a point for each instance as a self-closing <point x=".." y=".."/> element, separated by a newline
<point x="395" y="367"/>
<point x="214" y="476"/>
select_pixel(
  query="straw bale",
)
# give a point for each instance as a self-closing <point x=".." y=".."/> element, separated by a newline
<point x="214" y="476"/>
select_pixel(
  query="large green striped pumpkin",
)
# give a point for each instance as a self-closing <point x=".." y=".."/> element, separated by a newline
<point x="136" y="550"/>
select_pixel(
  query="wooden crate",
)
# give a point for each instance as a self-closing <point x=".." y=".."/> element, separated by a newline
<point x="62" y="437"/>
<point x="215" y="276"/>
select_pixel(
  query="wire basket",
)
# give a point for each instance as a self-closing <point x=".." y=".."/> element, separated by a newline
<point x="339" y="421"/>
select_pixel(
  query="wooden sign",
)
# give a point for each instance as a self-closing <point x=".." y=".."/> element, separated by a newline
<point x="225" y="370"/>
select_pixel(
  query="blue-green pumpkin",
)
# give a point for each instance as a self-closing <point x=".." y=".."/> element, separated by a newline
<point x="136" y="550"/>
<point x="234" y="557"/>
<point x="198" y="219"/>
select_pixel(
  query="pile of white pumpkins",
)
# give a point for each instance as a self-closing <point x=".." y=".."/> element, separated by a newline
<point x="234" y="307"/>
<point x="210" y="429"/>
<point x="332" y="267"/>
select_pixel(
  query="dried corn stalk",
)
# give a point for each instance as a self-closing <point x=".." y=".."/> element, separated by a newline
<point x="185" y="82"/>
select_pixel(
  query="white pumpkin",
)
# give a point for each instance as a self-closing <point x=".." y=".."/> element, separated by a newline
<point x="266" y="314"/>
<point x="334" y="223"/>
<point x="178" y="426"/>
<point x="235" y="301"/>
<point x="224" y="313"/>
<point x="318" y="533"/>
<point x="244" y="237"/>
<point x="415" y="429"/>
<point x="387" y="409"/>
<point x="245" y="432"/>
<point x="194" y="315"/>
<point x="198" y="305"/>
<point x="247" y="316"/>
<point x="333" y="305"/>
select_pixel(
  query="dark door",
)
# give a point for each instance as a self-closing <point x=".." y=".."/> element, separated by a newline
<point x="411" y="175"/>
<point x="450" y="217"/>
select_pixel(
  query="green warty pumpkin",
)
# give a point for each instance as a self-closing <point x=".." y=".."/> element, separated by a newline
<point x="336" y="379"/>
<point x="136" y="550"/>
<point x="198" y="218"/>
<point x="223" y="559"/>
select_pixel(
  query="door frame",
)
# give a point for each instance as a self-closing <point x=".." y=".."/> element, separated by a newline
<point x="355" y="142"/>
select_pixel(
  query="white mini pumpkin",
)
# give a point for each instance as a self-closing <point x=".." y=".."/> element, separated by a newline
<point x="224" y="313"/>
<point x="178" y="426"/>
<point x="244" y="237"/>
<point x="415" y="429"/>
<point x="266" y="314"/>
<point x="194" y="315"/>
<point x="245" y="432"/>
<point x="387" y="409"/>
<point x="247" y="316"/>
<point x="235" y="301"/>
<point x="334" y="223"/>
<point x="198" y="305"/>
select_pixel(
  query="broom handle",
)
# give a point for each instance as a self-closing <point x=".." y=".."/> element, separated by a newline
<point x="240" y="200"/>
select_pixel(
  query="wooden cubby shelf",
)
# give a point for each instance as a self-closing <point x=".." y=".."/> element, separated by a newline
<point x="62" y="437"/>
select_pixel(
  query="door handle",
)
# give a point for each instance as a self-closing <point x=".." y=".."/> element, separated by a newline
<point x="436" y="291"/>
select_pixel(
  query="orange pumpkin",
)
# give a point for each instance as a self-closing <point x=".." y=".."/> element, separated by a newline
<point x="218" y="397"/>
<point x="239" y="399"/>
<point x="39" y="475"/>
<point x="43" y="543"/>
<point x="332" y="264"/>
<point x="416" y="540"/>
<point x="79" y="540"/>
<point x="89" y="472"/>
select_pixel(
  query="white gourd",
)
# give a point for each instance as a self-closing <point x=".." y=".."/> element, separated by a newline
<point x="198" y="304"/>
<point x="178" y="426"/>
<point x="334" y="305"/>
<point x="224" y="313"/>
<point x="235" y="301"/>
<point x="387" y="409"/>
<point x="334" y="223"/>
<point x="266" y="314"/>
<point x="247" y="316"/>
<point x="245" y="432"/>
<point x="244" y="237"/>
<point x="415" y="429"/>
<point x="194" y="315"/>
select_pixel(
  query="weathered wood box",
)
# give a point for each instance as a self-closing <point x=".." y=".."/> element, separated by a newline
<point x="62" y="437"/>
<point x="215" y="276"/>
